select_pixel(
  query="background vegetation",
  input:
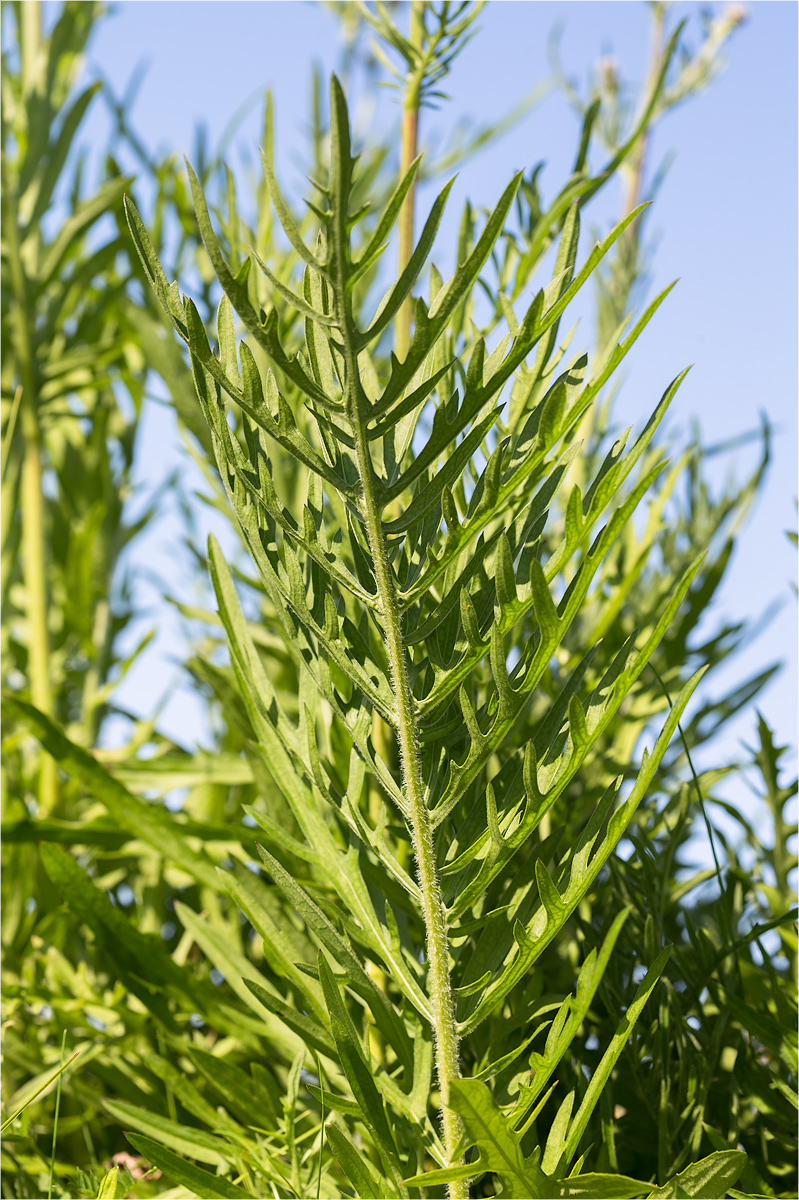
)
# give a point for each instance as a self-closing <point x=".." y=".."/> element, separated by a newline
<point x="131" y="950"/>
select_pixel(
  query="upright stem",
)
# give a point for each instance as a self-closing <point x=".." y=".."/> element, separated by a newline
<point x="101" y="640"/>
<point x="34" y="543"/>
<point x="445" y="1029"/>
<point x="635" y="172"/>
<point x="34" y="567"/>
<point x="410" y="131"/>
<point x="632" y="172"/>
<point x="444" y="1023"/>
<point x="34" y="561"/>
<point x="31" y="40"/>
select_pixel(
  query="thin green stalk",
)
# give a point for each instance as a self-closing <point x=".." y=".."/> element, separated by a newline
<point x="726" y="923"/>
<point x="101" y="640"/>
<point x="34" y="562"/>
<point x="695" y="778"/>
<point x="9" y="1120"/>
<point x="410" y="132"/>
<point x="322" y="1136"/>
<point x="170" y="1095"/>
<point x="55" y="1121"/>
<point x="9" y="434"/>
<point x="444" y="1022"/>
<point x="34" y="554"/>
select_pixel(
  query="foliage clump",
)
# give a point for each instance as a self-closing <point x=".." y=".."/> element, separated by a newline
<point x="419" y="963"/>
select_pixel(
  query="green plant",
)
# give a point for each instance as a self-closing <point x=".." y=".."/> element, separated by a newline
<point x="63" y="347"/>
<point x="73" y="376"/>
<point x="372" y="595"/>
<point x="283" y="1035"/>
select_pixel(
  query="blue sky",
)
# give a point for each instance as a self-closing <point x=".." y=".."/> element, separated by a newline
<point x="725" y="218"/>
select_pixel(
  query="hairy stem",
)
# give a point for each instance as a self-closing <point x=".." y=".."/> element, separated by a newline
<point x="410" y="130"/>
<point x="444" y="1023"/>
<point x="421" y="832"/>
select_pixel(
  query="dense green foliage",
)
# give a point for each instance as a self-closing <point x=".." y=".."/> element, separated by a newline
<point x="455" y="669"/>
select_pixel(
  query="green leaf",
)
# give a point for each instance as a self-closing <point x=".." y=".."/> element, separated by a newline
<point x="385" y="1015"/>
<point x="375" y="245"/>
<point x="238" y="970"/>
<point x="168" y="294"/>
<point x="611" y="1056"/>
<point x="85" y="215"/>
<point x="781" y="1041"/>
<point x="354" y="1063"/>
<point x="70" y="121"/>
<point x="358" y="1171"/>
<point x="247" y="892"/>
<point x="201" y="1183"/>
<point x="184" y="1090"/>
<point x="307" y="1029"/>
<point x="588" y="981"/>
<point x="428" y="331"/>
<point x="150" y="971"/>
<point x="581" y="870"/>
<point x="500" y="1148"/>
<point x="449" y="473"/>
<point x="429" y="1179"/>
<point x="283" y="211"/>
<point x="235" y="289"/>
<point x="195" y="1142"/>
<point x="297" y="302"/>
<point x="108" y="1185"/>
<point x="38" y="1091"/>
<point x="500" y="1152"/>
<point x="149" y="822"/>
<point x="712" y="1177"/>
<point x="402" y="288"/>
<point x="596" y="1187"/>
<point x="550" y="896"/>
<point x="235" y="1087"/>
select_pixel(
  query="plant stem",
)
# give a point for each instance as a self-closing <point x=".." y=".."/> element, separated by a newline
<point x="57" y="1110"/>
<point x="34" y="555"/>
<point x="101" y="640"/>
<point x="35" y="572"/>
<point x="421" y="832"/>
<point x="634" y="172"/>
<point x="437" y="943"/>
<point x="34" y="566"/>
<point x="31" y="38"/>
<point x="410" y="130"/>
